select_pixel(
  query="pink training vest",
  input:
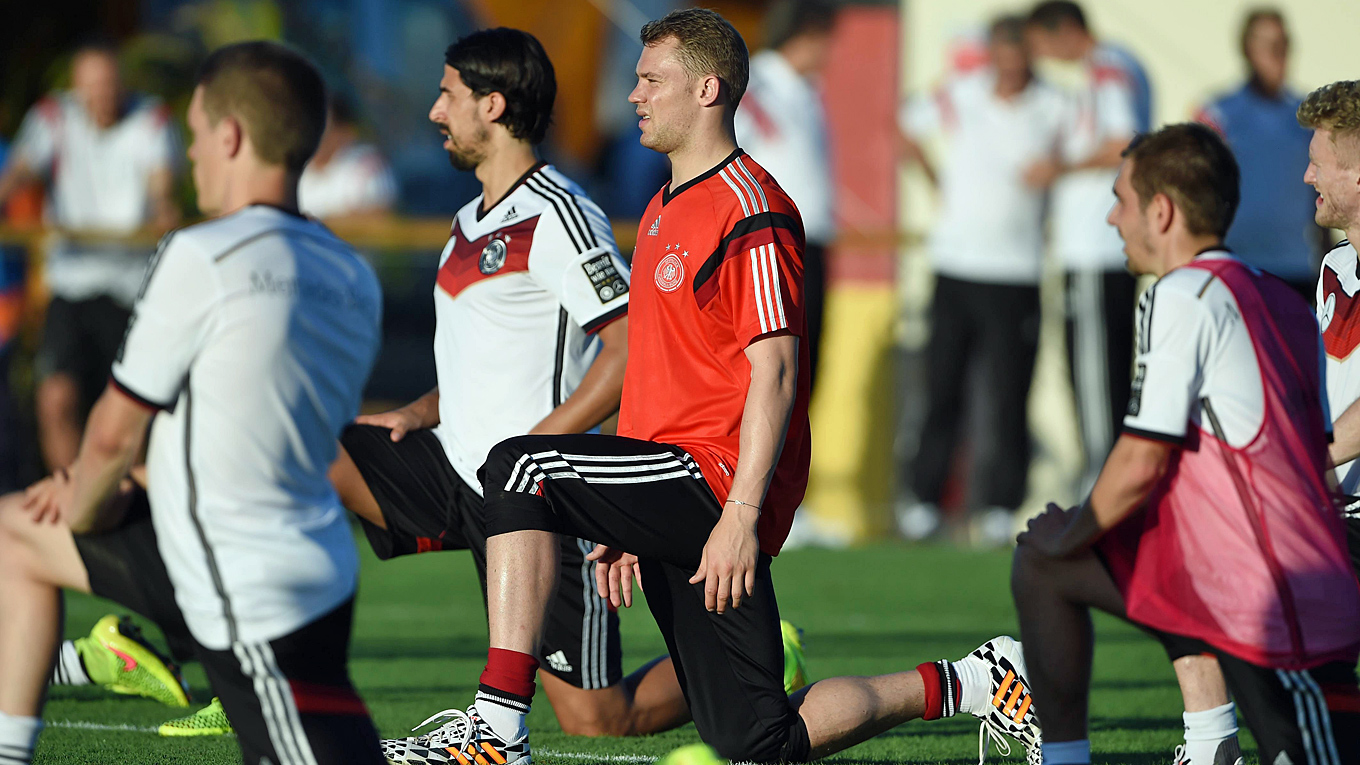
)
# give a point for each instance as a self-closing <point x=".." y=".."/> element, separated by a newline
<point x="1245" y="548"/>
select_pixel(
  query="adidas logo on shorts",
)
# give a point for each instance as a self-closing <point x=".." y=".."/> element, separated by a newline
<point x="558" y="661"/>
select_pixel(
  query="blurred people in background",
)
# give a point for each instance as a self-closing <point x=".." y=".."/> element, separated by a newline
<point x="1111" y="104"/>
<point x="782" y="124"/>
<point x="1274" y="230"/>
<point x="987" y="251"/>
<point x="11" y="307"/>
<point x="347" y="177"/>
<point x="107" y="158"/>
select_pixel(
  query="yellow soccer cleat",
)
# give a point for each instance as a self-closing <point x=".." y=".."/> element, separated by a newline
<point x="693" y="754"/>
<point x="795" y="666"/>
<point x="119" y="658"/>
<point x="208" y="721"/>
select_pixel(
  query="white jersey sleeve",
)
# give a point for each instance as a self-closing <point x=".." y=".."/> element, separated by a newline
<point x="168" y="325"/>
<point x="574" y="257"/>
<point x="922" y="114"/>
<point x="1175" y="336"/>
<point x="1114" y="102"/>
<point x="36" y="142"/>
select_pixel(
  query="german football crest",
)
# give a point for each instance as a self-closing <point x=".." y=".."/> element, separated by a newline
<point x="670" y="273"/>
<point x="493" y="257"/>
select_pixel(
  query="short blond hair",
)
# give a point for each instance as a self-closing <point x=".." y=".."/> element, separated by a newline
<point x="1336" y="108"/>
<point x="706" y="43"/>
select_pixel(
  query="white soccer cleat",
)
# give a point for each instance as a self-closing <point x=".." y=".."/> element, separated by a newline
<point x="463" y="738"/>
<point x="1009" y="712"/>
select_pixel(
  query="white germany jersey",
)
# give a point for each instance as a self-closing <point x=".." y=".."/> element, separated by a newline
<point x="1193" y="346"/>
<point x="99" y="180"/>
<point x="522" y="288"/>
<point x="1339" y="316"/>
<point x="254" y="335"/>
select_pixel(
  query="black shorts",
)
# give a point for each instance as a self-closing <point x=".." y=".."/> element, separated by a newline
<point x="290" y="700"/>
<point x="1312" y="715"/>
<point x="427" y="506"/>
<point x="651" y="500"/>
<point x="1353" y="540"/>
<point x="81" y="338"/>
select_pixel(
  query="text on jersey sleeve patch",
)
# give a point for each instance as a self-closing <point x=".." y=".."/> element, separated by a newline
<point x="604" y="277"/>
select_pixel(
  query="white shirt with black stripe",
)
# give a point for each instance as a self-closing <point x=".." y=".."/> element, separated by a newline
<point x="521" y="290"/>
<point x="1192" y="346"/>
<point x="254" y="335"/>
<point x="1338" y="311"/>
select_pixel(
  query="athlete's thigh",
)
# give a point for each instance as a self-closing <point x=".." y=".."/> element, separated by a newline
<point x="413" y="486"/>
<point x="730" y="665"/>
<point x="642" y="497"/>
<point x="290" y="700"/>
<point x="42" y="551"/>
<point x="1287" y="712"/>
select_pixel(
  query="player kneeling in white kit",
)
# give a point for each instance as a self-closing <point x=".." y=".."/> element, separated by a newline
<point x="247" y="354"/>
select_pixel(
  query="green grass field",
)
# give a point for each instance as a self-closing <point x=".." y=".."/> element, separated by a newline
<point x="420" y="643"/>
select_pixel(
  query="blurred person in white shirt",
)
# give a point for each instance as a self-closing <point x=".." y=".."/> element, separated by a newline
<point x="987" y="252"/>
<point x="1111" y="103"/>
<point x="347" y="177"/>
<point x="107" y="158"/>
<point x="781" y="123"/>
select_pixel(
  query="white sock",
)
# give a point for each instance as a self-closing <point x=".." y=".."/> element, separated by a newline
<point x="505" y="716"/>
<point x="69" y="669"/>
<point x="977" y="685"/>
<point x="17" y="737"/>
<point x="1204" y="731"/>
<point x="1067" y="752"/>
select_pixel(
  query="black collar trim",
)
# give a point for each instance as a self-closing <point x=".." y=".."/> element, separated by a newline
<point x="667" y="194"/>
<point x="485" y="208"/>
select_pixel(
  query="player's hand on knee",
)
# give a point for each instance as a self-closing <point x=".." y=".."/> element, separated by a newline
<point x="1044" y="530"/>
<point x="45" y="500"/>
<point x="399" y="421"/>
<point x="727" y="566"/>
<point x="614" y="574"/>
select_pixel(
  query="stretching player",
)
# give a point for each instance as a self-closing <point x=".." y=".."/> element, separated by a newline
<point x="1238" y="550"/>
<point x="1333" y="113"/>
<point x="714" y="414"/>
<point x="247" y="353"/>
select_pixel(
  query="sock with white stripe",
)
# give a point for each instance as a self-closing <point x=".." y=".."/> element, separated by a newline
<point x="506" y="713"/>
<point x="69" y="669"/>
<point x="1208" y="732"/>
<point x="18" y="735"/>
<point x="1067" y="752"/>
<point x="941" y="684"/>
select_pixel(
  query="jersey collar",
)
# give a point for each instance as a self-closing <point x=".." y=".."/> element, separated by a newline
<point x="484" y="209"/>
<point x="667" y="194"/>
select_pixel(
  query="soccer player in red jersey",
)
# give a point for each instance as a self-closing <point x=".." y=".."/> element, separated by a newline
<point x="698" y="491"/>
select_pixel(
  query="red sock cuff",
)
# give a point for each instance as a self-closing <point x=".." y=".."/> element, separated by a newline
<point x="510" y="671"/>
<point x="930" y="678"/>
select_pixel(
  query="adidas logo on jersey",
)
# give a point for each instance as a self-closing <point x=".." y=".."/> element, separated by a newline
<point x="656" y="227"/>
<point x="510" y="214"/>
<point x="558" y="661"/>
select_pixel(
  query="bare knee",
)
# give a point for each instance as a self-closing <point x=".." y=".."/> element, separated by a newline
<point x="600" y="712"/>
<point x="37" y="552"/>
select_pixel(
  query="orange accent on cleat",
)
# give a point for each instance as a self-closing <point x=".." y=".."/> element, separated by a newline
<point x="495" y="755"/>
<point x="1005" y="686"/>
<point x="1019" y="715"/>
<point x="1015" y="696"/>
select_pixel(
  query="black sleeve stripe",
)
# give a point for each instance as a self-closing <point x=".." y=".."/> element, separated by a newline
<point x="573" y="216"/>
<point x="745" y="226"/>
<point x="566" y="224"/>
<point x="137" y="397"/>
<point x="572" y="205"/>
<point x="1153" y="435"/>
<point x="595" y="324"/>
<point x="566" y="221"/>
<point x="161" y="246"/>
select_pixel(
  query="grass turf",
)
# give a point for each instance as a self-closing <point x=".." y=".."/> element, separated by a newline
<point x="420" y="643"/>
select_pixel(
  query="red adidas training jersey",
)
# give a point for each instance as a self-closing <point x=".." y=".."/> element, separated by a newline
<point x="718" y="264"/>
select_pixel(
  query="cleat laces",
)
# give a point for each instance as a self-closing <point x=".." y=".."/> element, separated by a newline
<point x="455" y="730"/>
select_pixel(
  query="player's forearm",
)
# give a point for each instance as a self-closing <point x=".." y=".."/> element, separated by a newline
<point x="600" y="390"/>
<point x="1345" y="444"/>
<point x="426" y="409"/>
<point x="112" y="441"/>
<point x="764" y="424"/>
<point x="1131" y="473"/>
